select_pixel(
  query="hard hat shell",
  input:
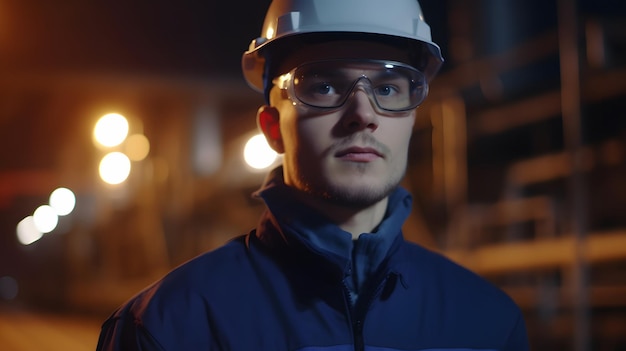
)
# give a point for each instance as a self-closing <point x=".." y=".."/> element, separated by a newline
<point x="384" y="19"/>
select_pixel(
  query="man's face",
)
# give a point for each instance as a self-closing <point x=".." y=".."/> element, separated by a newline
<point x="354" y="155"/>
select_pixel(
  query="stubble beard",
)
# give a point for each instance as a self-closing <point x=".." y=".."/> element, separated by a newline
<point x="351" y="196"/>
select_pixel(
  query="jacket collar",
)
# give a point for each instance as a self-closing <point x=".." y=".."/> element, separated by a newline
<point x="289" y="222"/>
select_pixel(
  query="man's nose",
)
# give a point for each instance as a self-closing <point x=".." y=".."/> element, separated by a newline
<point x="360" y="113"/>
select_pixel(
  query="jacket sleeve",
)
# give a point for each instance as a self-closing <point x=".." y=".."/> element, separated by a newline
<point x="122" y="332"/>
<point x="518" y="339"/>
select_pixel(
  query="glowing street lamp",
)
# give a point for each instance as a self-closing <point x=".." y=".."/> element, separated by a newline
<point x="27" y="232"/>
<point x="111" y="130"/>
<point x="62" y="200"/>
<point x="137" y="147"/>
<point x="258" y="154"/>
<point x="45" y="218"/>
<point x="114" y="168"/>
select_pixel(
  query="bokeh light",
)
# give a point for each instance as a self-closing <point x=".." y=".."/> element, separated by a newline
<point x="114" y="168"/>
<point x="111" y="130"/>
<point x="45" y="218"/>
<point x="62" y="200"/>
<point x="258" y="154"/>
<point x="27" y="232"/>
<point x="137" y="147"/>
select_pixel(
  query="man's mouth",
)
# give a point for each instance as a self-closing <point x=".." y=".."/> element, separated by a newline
<point x="359" y="154"/>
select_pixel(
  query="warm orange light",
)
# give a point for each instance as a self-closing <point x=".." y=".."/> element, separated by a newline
<point x="111" y="130"/>
<point x="137" y="147"/>
<point x="114" y="168"/>
<point x="258" y="154"/>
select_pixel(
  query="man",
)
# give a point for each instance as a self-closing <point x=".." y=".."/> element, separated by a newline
<point x="327" y="267"/>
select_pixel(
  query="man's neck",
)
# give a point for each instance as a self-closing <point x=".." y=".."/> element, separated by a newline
<point x="354" y="220"/>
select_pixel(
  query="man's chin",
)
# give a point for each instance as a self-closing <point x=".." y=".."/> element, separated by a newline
<point x="357" y="195"/>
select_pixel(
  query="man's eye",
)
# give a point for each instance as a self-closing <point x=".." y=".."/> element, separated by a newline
<point x="323" y="89"/>
<point x="385" y="90"/>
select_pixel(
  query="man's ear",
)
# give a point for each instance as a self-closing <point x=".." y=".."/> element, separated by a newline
<point x="268" y="119"/>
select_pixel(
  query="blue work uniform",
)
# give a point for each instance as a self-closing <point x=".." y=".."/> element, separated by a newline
<point x="300" y="283"/>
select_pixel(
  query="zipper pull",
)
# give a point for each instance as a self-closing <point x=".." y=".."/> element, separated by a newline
<point x="389" y="284"/>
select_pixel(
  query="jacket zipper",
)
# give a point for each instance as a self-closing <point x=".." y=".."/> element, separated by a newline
<point x="356" y="313"/>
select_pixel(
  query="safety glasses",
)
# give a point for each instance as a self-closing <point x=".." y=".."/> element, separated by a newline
<point x="393" y="86"/>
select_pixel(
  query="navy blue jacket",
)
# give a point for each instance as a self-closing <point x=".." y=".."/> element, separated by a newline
<point x="298" y="282"/>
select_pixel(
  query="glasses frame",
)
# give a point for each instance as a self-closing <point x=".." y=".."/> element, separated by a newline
<point x="285" y="83"/>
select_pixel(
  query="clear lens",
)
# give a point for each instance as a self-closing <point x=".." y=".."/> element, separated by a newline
<point x="393" y="86"/>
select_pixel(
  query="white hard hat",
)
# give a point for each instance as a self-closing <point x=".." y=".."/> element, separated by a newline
<point x="384" y="19"/>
